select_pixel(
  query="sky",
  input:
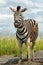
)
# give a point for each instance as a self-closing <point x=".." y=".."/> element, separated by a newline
<point x="34" y="11"/>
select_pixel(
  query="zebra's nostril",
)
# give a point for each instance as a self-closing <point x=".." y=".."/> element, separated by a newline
<point x="16" y="21"/>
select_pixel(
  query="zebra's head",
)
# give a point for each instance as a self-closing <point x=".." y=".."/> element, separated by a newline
<point x="18" y="17"/>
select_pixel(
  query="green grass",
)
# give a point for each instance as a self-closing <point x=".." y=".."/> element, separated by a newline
<point x="9" y="46"/>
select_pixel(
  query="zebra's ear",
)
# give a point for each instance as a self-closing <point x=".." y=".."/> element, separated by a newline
<point x="23" y="10"/>
<point x="13" y="10"/>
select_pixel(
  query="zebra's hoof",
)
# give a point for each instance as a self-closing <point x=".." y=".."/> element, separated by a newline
<point x="32" y="59"/>
<point x="19" y="62"/>
<point x="28" y="60"/>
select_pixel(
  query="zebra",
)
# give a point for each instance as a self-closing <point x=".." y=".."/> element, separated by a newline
<point x="27" y="31"/>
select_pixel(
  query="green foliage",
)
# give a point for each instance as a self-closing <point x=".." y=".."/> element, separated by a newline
<point x="39" y="45"/>
<point x="9" y="46"/>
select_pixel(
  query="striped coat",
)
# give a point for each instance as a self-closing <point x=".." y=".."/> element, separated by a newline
<point x="27" y="31"/>
<point x="30" y="28"/>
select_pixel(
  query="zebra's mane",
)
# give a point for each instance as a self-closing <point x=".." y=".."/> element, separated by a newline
<point x="18" y="8"/>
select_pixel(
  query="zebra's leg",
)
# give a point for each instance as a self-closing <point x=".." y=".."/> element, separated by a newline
<point x="20" y="46"/>
<point x="28" y="49"/>
<point x="33" y="45"/>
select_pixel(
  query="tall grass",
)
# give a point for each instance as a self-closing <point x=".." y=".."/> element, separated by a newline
<point x="9" y="46"/>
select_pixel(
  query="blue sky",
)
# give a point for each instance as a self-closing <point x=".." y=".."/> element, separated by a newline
<point x="34" y="11"/>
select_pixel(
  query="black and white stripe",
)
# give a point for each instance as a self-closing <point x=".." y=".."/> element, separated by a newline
<point x="22" y="33"/>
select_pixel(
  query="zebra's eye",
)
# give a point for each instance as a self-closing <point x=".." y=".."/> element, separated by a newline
<point x="19" y="19"/>
<point x="19" y="15"/>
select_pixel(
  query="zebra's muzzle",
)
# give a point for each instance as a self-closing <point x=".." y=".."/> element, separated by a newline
<point x="16" y="23"/>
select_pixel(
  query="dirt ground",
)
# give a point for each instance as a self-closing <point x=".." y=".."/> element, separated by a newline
<point x="11" y="60"/>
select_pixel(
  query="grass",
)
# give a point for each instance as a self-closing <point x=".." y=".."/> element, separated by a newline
<point x="9" y="46"/>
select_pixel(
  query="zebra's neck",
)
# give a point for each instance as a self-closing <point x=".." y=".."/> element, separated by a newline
<point x="22" y="33"/>
<point x="21" y="30"/>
